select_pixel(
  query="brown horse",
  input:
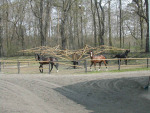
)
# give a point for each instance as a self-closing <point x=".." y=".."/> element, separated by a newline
<point x="45" y="60"/>
<point x="97" y="59"/>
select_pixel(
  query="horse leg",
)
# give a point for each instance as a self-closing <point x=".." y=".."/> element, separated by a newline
<point x="126" y="62"/>
<point x="119" y="62"/>
<point x="56" y="66"/>
<point x="105" y="65"/>
<point x="51" y="66"/>
<point x="95" y="65"/>
<point x="91" y="66"/>
<point x="99" y="66"/>
<point x="41" y="66"/>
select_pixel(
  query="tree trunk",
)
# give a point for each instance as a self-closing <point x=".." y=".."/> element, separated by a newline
<point x="82" y="38"/>
<point x="102" y="24"/>
<point x="22" y="39"/>
<point x="76" y="23"/>
<point x="120" y="8"/>
<point x="99" y="25"/>
<point x="141" y="30"/>
<point x="64" y="15"/>
<point x="147" y="36"/>
<point x="41" y="24"/>
<point x="94" y="23"/>
<point x="62" y="32"/>
<point x="146" y="18"/>
<point x="0" y="36"/>
<point x="71" y="39"/>
<point x="109" y="24"/>
<point x="47" y="21"/>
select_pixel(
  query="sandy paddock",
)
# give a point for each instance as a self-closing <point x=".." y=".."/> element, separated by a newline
<point x="81" y="93"/>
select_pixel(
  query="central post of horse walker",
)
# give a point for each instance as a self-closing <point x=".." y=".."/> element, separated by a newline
<point x="119" y="63"/>
<point x="147" y="62"/>
<point x="85" y="65"/>
<point x="18" y="65"/>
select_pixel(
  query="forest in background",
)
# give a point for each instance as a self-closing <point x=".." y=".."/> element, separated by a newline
<point x="26" y="24"/>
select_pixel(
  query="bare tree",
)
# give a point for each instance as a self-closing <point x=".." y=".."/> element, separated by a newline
<point x="66" y="5"/>
<point x="120" y="8"/>
<point x="94" y="23"/>
<point x="0" y="35"/>
<point x="43" y="16"/>
<point x="143" y="14"/>
<point x="102" y="21"/>
<point x="62" y="22"/>
<point x="109" y="23"/>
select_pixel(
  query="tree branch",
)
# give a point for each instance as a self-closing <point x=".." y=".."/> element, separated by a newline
<point x="131" y="32"/>
<point x="34" y="11"/>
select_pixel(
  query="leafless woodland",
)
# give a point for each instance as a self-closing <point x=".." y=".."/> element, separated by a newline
<point x="71" y="24"/>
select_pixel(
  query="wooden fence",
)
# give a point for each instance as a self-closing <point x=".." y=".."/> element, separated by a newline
<point x="17" y="64"/>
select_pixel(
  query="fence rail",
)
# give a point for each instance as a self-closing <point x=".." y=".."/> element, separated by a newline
<point x="17" y="64"/>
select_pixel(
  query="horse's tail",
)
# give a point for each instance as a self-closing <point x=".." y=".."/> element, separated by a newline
<point x="57" y="64"/>
<point x="106" y="61"/>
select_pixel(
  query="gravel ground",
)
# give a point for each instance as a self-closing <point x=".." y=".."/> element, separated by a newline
<point x="75" y="93"/>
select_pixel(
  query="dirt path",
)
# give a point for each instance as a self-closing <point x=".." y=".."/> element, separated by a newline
<point x="82" y="93"/>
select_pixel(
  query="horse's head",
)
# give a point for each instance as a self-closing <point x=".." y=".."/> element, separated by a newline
<point x="37" y="57"/>
<point x="128" y="50"/>
<point x="91" y="53"/>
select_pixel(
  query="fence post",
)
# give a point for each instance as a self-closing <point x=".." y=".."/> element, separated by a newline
<point x="49" y="68"/>
<point x="3" y="65"/>
<point x="85" y="65"/>
<point x="18" y="64"/>
<point x="0" y="66"/>
<point x="147" y="62"/>
<point x="118" y="63"/>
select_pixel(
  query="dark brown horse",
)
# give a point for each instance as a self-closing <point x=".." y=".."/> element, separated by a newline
<point x="123" y="55"/>
<point x="53" y="61"/>
<point x="97" y="59"/>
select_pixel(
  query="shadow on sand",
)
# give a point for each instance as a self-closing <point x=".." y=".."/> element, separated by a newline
<point x="124" y="95"/>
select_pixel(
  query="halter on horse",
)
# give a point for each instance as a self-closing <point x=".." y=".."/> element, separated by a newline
<point x="124" y="55"/>
<point x="50" y="60"/>
<point x="97" y="59"/>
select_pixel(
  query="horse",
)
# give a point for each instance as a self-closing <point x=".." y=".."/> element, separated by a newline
<point x="123" y="55"/>
<point x="97" y="59"/>
<point x="75" y="58"/>
<point x="50" y="60"/>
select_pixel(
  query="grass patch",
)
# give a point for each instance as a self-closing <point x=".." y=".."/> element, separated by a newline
<point x="18" y="58"/>
<point x="122" y="70"/>
<point x="125" y="70"/>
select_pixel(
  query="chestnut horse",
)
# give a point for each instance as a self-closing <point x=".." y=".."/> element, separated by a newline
<point x="97" y="59"/>
<point x="45" y="60"/>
